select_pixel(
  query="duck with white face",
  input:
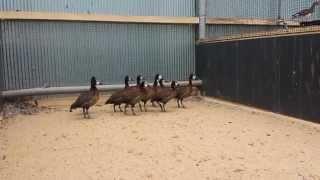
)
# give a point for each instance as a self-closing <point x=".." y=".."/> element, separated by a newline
<point x="185" y="92"/>
<point x="88" y="99"/>
<point x="134" y="96"/>
<point x="165" y="94"/>
<point x="116" y="98"/>
<point x="150" y="91"/>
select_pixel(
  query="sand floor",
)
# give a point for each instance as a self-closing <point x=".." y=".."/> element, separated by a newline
<point x="208" y="140"/>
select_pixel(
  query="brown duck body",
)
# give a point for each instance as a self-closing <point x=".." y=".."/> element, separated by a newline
<point x="164" y="94"/>
<point x="147" y="94"/>
<point x="150" y="91"/>
<point x="133" y="96"/>
<point x="88" y="99"/>
<point x="116" y="98"/>
<point x="185" y="92"/>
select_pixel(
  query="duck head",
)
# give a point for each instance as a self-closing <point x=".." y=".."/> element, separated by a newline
<point x="143" y="84"/>
<point x="126" y="81"/>
<point x="157" y="79"/>
<point x="191" y="78"/>
<point x="139" y="79"/>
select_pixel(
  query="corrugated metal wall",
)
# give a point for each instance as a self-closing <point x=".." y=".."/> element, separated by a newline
<point x="116" y="7"/>
<point x="256" y="8"/>
<point x="1" y="61"/>
<point x="215" y="31"/>
<point x="290" y="7"/>
<point x="68" y="53"/>
<point x="243" y="8"/>
<point x="252" y="9"/>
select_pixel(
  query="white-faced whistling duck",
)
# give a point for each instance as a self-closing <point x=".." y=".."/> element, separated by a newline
<point x="184" y="92"/>
<point x="88" y="99"/>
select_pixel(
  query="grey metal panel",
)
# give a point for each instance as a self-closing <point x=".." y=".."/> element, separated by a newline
<point x="119" y="7"/>
<point x="258" y="8"/>
<point x="243" y="8"/>
<point x="1" y="61"/>
<point x="214" y="31"/>
<point x="69" y="53"/>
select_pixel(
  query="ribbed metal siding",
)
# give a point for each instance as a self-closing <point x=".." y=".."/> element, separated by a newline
<point x="118" y="7"/>
<point x="1" y="61"/>
<point x="257" y="8"/>
<point x="243" y="8"/>
<point x="68" y="53"/>
<point x="214" y="31"/>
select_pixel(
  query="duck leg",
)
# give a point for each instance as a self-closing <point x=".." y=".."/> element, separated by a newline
<point x="164" y="107"/>
<point x="132" y="109"/>
<point x="84" y="112"/>
<point x="120" y="108"/>
<point x="178" y="103"/>
<point x="87" y="112"/>
<point x="183" y="106"/>
<point x="160" y="106"/>
<point x="125" y="108"/>
<point x="140" y="106"/>
<point x="144" y="105"/>
<point x="36" y="103"/>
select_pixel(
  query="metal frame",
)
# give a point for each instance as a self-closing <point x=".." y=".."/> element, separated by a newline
<point x="72" y="90"/>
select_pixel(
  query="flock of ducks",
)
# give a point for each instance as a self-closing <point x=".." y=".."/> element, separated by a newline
<point x="158" y="93"/>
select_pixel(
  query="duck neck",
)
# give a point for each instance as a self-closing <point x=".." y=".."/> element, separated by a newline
<point x="93" y="87"/>
<point x="126" y="83"/>
<point x="155" y="83"/>
<point x="138" y="81"/>
<point x="190" y="82"/>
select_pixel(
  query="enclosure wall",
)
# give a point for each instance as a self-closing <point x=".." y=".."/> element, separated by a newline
<point x="215" y="31"/>
<point x="257" y="8"/>
<point x="68" y="53"/>
<point x="61" y="53"/>
<point x="1" y="60"/>
<point x="281" y="74"/>
<point x="264" y="9"/>
<point x="115" y="7"/>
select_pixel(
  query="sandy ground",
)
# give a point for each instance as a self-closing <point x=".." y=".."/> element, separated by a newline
<point x="208" y="140"/>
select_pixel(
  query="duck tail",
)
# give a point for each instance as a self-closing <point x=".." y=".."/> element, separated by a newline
<point x="108" y="101"/>
<point x="73" y="106"/>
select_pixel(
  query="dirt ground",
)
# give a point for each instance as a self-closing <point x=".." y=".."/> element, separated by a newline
<point x="209" y="140"/>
